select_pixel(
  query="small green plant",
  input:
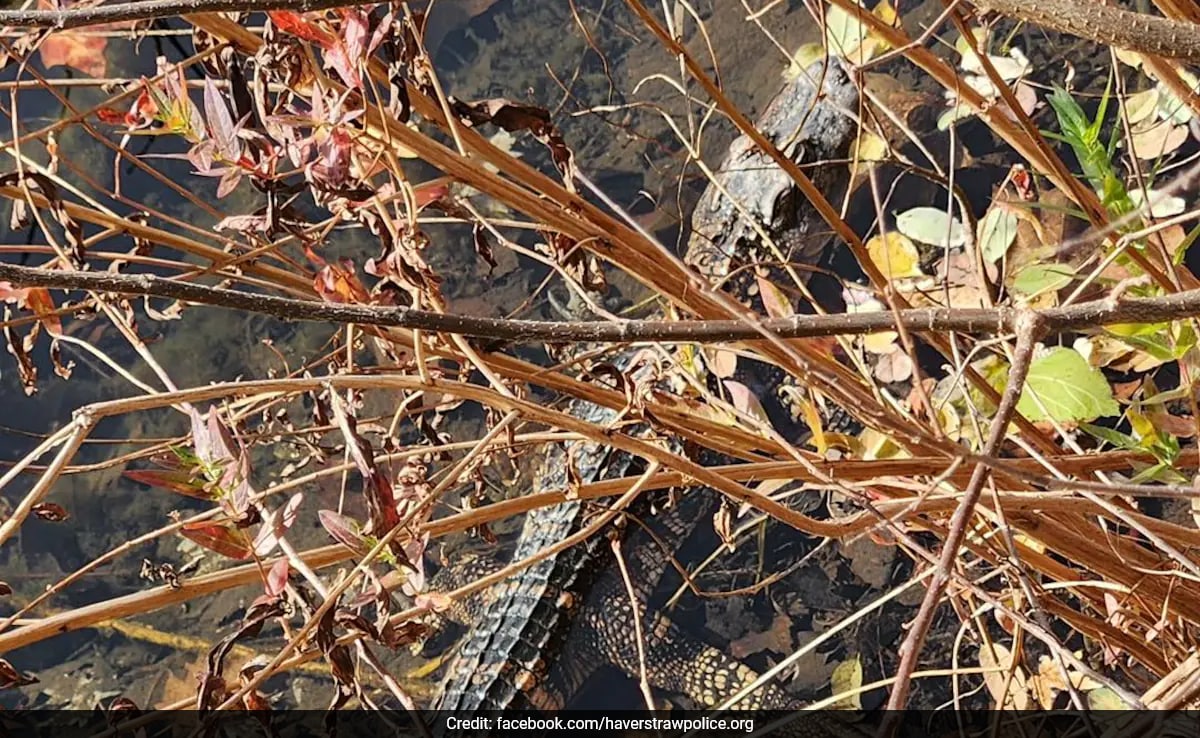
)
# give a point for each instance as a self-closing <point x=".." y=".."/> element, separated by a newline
<point x="1096" y="158"/>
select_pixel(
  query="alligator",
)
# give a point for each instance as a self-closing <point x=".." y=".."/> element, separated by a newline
<point x="541" y="633"/>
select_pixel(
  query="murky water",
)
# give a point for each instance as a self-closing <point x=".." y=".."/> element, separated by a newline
<point x="603" y="76"/>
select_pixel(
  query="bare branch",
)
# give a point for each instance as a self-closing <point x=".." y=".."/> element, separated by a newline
<point x="76" y="17"/>
<point x="1177" y="306"/>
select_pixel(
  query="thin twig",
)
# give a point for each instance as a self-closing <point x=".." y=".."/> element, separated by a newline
<point x="1028" y="332"/>
<point x="121" y="12"/>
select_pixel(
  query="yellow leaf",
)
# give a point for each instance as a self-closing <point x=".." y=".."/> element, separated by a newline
<point x="883" y="342"/>
<point x="895" y="255"/>
<point x="804" y="57"/>
<point x="868" y="149"/>
<point x="947" y="418"/>
<point x="812" y="418"/>
<point x="1141" y="425"/>
<point x="878" y="446"/>
<point x="847" y="677"/>
<point x="963" y="48"/>
<point x="687" y="358"/>
<point x="886" y="12"/>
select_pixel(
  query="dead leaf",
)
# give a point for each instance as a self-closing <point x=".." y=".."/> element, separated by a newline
<point x="894" y="367"/>
<point x="777" y="638"/>
<point x="224" y="539"/>
<point x="745" y="401"/>
<point x="721" y="362"/>
<point x="883" y="342"/>
<point x="774" y="301"/>
<point x="74" y="50"/>
<point x="997" y="662"/>
<point x="1049" y="682"/>
<point x="1157" y="139"/>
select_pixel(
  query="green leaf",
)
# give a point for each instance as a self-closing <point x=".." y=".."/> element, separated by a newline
<point x="961" y="111"/>
<point x="932" y="226"/>
<point x="1182" y="250"/>
<point x="997" y="231"/>
<point x="1115" y="438"/>
<point x="1095" y="158"/>
<point x="1105" y="699"/>
<point x="1067" y="387"/>
<point x="1035" y="279"/>
<point x="1163" y="341"/>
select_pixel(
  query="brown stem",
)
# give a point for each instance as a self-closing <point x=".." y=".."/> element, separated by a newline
<point x="119" y="12"/>
<point x="1080" y="316"/>
<point x="1029" y="330"/>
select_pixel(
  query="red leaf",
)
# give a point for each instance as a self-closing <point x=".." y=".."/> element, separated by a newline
<point x="144" y="111"/>
<point x="298" y="26"/>
<point x="344" y="530"/>
<point x="176" y="480"/>
<point x="8" y="293"/>
<point x="338" y="58"/>
<point x="50" y="512"/>
<point x="277" y="578"/>
<point x="69" y="49"/>
<point x="337" y="283"/>
<point x="275" y="524"/>
<point x="224" y="539"/>
<point x="431" y="192"/>
<point x="41" y="303"/>
<point x="110" y="116"/>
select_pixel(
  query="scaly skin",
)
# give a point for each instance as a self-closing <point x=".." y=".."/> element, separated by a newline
<point x="546" y="629"/>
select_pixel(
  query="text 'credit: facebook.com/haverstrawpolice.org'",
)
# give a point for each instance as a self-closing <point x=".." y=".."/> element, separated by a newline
<point x="607" y="724"/>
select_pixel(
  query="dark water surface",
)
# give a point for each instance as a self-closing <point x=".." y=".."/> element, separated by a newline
<point x="602" y="90"/>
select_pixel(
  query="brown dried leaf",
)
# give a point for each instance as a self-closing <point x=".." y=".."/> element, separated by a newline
<point x="722" y="363"/>
<point x="745" y="401"/>
<point x="1156" y="139"/>
<point x="774" y="301"/>
<point x="723" y="525"/>
<point x="514" y="117"/>
<point x="777" y="638"/>
<point x="997" y="661"/>
<point x="10" y="677"/>
<point x="894" y="367"/>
